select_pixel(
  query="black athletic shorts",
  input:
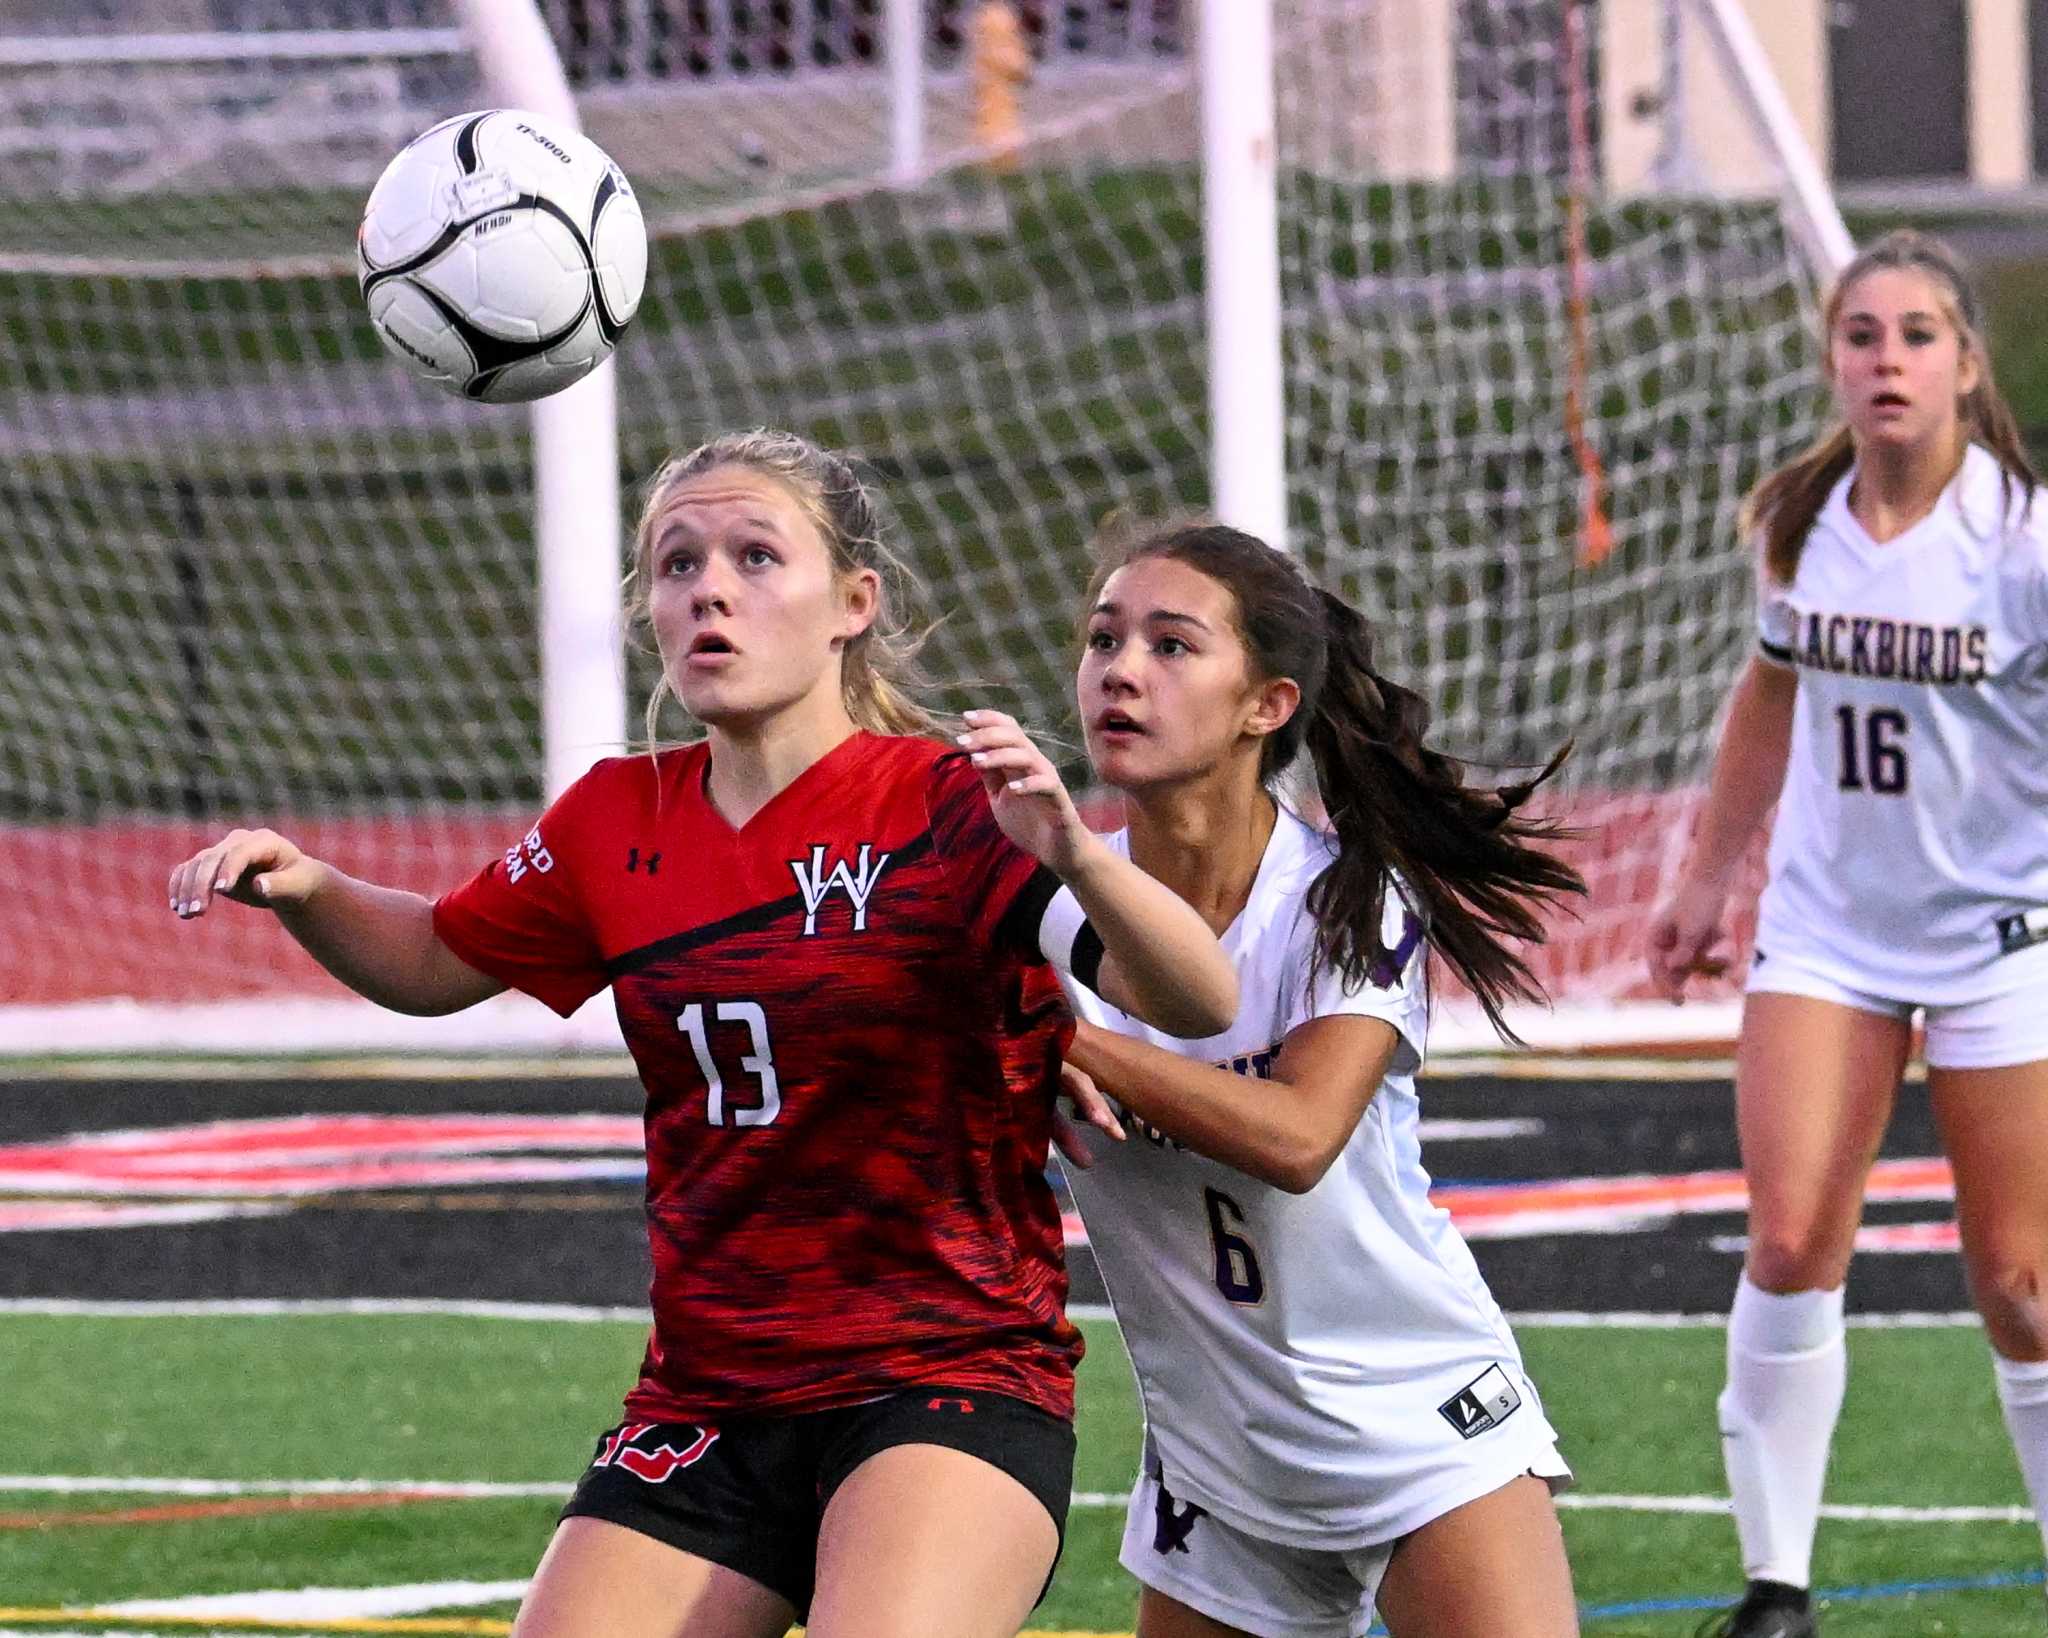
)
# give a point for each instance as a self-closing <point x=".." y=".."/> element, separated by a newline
<point x="749" y="1492"/>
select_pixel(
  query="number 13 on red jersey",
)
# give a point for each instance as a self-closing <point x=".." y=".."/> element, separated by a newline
<point x="758" y="1062"/>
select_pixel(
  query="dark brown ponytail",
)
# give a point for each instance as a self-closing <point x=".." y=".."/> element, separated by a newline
<point x="1479" y="867"/>
<point x="1478" y="870"/>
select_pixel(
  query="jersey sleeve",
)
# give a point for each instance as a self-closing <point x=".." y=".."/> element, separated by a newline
<point x="1009" y="900"/>
<point x="1067" y="938"/>
<point x="1777" y="621"/>
<point x="520" y="919"/>
<point x="1394" y="990"/>
<point x="2033" y="531"/>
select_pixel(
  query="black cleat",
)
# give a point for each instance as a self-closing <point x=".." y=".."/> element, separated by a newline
<point x="1770" y="1609"/>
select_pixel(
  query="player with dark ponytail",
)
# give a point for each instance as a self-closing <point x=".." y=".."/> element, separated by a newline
<point x="1337" y="1414"/>
<point x="1396" y="803"/>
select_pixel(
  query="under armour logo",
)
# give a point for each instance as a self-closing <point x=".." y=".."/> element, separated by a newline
<point x="1172" y="1523"/>
<point x="814" y="881"/>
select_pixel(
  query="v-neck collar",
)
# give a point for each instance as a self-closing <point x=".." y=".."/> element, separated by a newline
<point x="1268" y="863"/>
<point x="700" y="787"/>
<point x="1953" y="493"/>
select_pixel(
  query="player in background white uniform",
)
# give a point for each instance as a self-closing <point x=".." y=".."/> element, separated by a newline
<point x="1897" y="712"/>
<point x="1337" y="1413"/>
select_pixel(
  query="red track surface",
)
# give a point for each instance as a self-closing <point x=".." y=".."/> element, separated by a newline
<point x="87" y="919"/>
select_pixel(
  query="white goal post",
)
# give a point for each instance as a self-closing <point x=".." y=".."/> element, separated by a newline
<point x="575" y="459"/>
<point x="1240" y="159"/>
<point x="1489" y="309"/>
<point x="1241" y="284"/>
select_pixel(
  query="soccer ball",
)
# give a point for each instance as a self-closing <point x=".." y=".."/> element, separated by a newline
<point x="501" y="254"/>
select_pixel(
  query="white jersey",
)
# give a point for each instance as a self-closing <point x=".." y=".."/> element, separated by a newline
<point x="1910" y="851"/>
<point x="1320" y="1369"/>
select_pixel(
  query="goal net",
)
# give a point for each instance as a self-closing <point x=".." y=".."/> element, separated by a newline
<point x="1543" y="324"/>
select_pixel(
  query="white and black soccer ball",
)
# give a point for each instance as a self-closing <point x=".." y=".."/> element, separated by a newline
<point x="501" y="254"/>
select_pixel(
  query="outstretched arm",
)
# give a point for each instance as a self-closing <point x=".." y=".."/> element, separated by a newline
<point x="1688" y="931"/>
<point x="379" y="941"/>
<point x="1285" y="1131"/>
<point x="1161" y="963"/>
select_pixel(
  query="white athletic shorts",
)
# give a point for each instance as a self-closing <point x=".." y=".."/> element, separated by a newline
<point x="1262" y="1587"/>
<point x="1996" y="1032"/>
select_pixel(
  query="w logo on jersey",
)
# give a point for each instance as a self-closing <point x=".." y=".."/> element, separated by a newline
<point x="814" y="882"/>
<point x="623" y="1447"/>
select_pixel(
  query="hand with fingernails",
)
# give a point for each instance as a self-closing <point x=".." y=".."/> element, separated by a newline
<point x="1025" y="791"/>
<point x="256" y="867"/>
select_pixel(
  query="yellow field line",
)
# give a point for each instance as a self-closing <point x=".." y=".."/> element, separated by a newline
<point x="251" y="1623"/>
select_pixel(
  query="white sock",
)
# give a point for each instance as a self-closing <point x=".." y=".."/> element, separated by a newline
<point x="1787" y="1367"/>
<point x="2023" y="1391"/>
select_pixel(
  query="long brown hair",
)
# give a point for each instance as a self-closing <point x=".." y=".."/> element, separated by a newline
<point x="1478" y="867"/>
<point x="879" y="677"/>
<point x="1783" y="506"/>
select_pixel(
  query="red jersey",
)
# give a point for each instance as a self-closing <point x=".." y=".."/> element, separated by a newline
<point x="851" y="1049"/>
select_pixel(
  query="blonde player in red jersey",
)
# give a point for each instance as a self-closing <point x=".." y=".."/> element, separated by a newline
<point x="825" y="934"/>
<point x="1897" y="713"/>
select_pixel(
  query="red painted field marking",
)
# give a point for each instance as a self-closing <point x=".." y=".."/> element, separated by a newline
<point x="238" y="1507"/>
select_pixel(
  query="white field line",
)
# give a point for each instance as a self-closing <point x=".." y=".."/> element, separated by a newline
<point x="295" y="1308"/>
<point x="1451" y="1129"/>
<point x="596" y="1065"/>
<point x="514" y="1027"/>
<point x="61" y="1216"/>
<point x="560" y="1313"/>
<point x="453" y="1489"/>
<point x="1849" y="1512"/>
<point x="569" y="1313"/>
<point x="316" y="1604"/>
<point x="1716" y="1322"/>
<point x="473" y="1490"/>
<point x="481" y="1066"/>
<point x="511" y="1024"/>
